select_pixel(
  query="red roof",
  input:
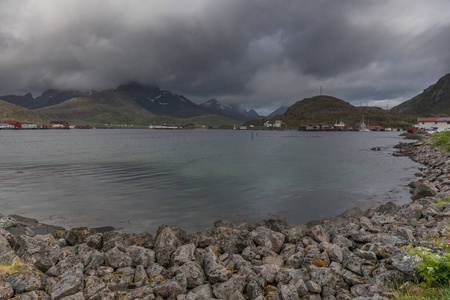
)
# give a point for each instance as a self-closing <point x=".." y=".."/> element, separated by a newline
<point x="433" y="119"/>
<point x="15" y="123"/>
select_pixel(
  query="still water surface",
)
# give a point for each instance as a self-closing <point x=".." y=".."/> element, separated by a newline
<point x="137" y="180"/>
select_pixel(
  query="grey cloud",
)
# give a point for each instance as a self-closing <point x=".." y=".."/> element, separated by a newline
<point x="260" y="53"/>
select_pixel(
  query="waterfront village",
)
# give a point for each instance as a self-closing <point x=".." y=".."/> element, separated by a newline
<point x="429" y="125"/>
<point x="13" y="124"/>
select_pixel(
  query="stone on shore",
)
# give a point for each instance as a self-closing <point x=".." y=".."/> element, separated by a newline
<point x="166" y="244"/>
<point x="319" y="234"/>
<point x="423" y="190"/>
<point x="117" y="259"/>
<point x="193" y="272"/>
<point x="78" y="235"/>
<point x="70" y="283"/>
<point x="40" y="250"/>
<point x="203" y="292"/>
<point x="224" y="289"/>
<point x="24" y="282"/>
<point x="6" y="252"/>
<point x="6" y="290"/>
<point x="172" y="287"/>
<point x="7" y="222"/>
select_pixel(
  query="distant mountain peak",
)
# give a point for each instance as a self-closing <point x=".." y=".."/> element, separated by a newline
<point x="213" y="103"/>
<point x="252" y="113"/>
<point x="28" y="96"/>
<point x="161" y="102"/>
<point x="229" y="111"/>
<point x="279" y="111"/>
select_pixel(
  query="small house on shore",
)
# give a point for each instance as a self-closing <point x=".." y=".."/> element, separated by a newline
<point x="435" y="124"/>
<point x="315" y="127"/>
<point x="168" y="126"/>
<point x="60" y="124"/>
<point x="15" y="124"/>
<point x="373" y="128"/>
<point x="6" y="126"/>
<point x="82" y="126"/>
<point x="27" y="125"/>
<point x="276" y="124"/>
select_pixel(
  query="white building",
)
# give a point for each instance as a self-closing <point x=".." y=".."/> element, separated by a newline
<point x="267" y="124"/>
<point x="435" y="124"/>
<point x="6" y="126"/>
<point x="29" y="125"/>
<point x="277" y="123"/>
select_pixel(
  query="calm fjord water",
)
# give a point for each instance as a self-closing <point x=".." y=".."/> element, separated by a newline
<point x="139" y="179"/>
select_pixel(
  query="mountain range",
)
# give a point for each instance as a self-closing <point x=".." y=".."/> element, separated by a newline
<point x="129" y="103"/>
<point x="139" y="104"/>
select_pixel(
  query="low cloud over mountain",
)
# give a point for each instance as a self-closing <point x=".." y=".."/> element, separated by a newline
<point x="261" y="53"/>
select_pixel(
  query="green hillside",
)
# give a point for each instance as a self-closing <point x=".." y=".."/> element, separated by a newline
<point x="433" y="101"/>
<point x="207" y="120"/>
<point x="328" y="110"/>
<point x="107" y="107"/>
<point x="10" y="111"/>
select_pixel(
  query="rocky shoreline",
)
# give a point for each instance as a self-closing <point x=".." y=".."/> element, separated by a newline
<point x="356" y="255"/>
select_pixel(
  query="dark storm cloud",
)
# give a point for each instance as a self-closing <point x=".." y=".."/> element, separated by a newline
<point x="261" y="53"/>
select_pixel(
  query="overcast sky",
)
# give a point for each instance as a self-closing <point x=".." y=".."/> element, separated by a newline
<point x="261" y="53"/>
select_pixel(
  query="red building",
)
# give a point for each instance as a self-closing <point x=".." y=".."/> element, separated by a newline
<point x="82" y="126"/>
<point x="16" y="124"/>
<point x="59" y="124"/>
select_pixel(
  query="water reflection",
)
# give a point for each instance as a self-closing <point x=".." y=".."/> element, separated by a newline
<point x="139" y="179"/>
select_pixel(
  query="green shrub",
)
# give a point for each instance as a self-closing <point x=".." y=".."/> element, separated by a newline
<point x="441" y="201"/>
<point x="434" y="267"/>
<point x="441" y="140"/>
